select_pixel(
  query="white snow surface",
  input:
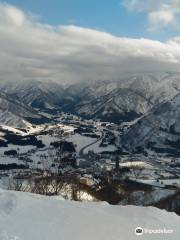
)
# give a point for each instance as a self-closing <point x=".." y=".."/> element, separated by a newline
<point x="25" y="216"/>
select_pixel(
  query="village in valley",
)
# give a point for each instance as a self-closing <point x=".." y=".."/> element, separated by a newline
<point x="82" y="160"/>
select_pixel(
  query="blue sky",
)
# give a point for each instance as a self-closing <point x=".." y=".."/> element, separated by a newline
<point x="106" y="15"/>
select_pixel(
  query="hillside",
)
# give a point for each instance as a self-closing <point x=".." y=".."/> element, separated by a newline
<point x="16" y="113"/>
<point x="38" y="95"/>
<point x="124" y="99"/>
<point x="159" y="130"/>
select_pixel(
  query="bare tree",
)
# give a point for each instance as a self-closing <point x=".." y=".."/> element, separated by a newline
<point x="137" y="170"/>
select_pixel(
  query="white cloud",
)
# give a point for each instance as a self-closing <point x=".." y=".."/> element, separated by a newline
<point x="31" y="50"/>
<point x="175" y="40"/>
<point x="160" y="14"/>
<point x="141" y="5"/>
<point x="161" y="19"/>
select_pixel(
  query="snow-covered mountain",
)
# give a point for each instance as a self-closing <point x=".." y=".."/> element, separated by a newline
<point x="122" y="100"/>
<point x="25" y="216"/>
<point x="16" y="113"/>
<point x="117" y="101"/>
<point x="159" y="130"/>
<point x="43" y="96"/>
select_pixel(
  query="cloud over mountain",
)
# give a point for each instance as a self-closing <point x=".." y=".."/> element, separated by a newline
<point x="32" y="50"/>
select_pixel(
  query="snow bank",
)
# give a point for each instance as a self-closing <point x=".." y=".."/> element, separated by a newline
<point x="25" y="216"/>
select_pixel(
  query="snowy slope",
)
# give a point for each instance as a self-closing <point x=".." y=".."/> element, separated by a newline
<point x="24" y="216"/>
<point x="40" y="95"/>
<point x="122" y="100"/>
<point x="158" y="130"/>
<point x="15" y="113"/>
<point x="119" y="100"/>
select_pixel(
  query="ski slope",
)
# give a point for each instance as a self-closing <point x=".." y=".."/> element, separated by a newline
<point x="25" y="216"/>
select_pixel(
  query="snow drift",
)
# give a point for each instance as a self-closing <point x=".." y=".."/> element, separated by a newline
<point x="25" y="216"/>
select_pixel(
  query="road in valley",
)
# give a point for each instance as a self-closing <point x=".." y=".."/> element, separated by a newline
<point x="81" y="152"/>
